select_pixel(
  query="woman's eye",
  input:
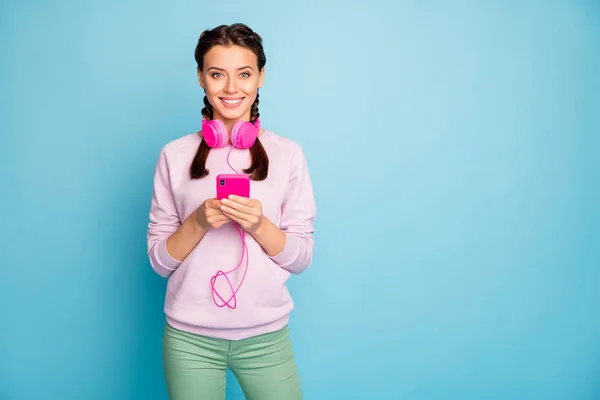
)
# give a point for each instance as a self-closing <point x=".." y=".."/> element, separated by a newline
<point x="245" y="75"/>
<point x="216" y="75"/>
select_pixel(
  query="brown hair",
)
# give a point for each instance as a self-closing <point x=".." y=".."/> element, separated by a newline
<point x="239" y="35"/>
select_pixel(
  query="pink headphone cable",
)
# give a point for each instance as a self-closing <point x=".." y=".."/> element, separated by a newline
<point x="224" y="274"/>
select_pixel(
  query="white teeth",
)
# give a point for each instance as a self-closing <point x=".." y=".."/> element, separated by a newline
<point x="232" y="102"/>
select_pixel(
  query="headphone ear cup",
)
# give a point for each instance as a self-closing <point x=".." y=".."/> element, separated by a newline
<point x="244" y="134"/>
<point x="214" y="133"/>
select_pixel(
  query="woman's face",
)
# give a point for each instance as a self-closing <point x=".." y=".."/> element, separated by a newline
<point x="231" y="80"/>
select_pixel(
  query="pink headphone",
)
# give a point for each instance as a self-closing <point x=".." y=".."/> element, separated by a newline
<point x="243" y="133"/>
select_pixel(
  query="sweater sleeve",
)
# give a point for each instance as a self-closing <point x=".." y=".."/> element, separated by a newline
<point x="297" y="218"/>
<point x="164" y="220"/>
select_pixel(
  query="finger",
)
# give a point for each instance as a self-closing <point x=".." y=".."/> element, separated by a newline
<point x="242" y="222"/>
<point x="214" y="208"/>
<point x="233" y="213"/>
<point x="215" y="214"/>
<point x="239" y="199"/>
<point x="238" y="206"/>
<point x="219" y="222"/>
<point x="213" y="204"/>
<point x="213" y="211"/>
<point x="220" y="217"/>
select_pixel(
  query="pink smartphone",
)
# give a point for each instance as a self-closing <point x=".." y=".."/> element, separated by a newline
<point x="232" y="184"/>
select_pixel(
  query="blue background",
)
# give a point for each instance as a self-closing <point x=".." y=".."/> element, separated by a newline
<point x="454" y="150"/>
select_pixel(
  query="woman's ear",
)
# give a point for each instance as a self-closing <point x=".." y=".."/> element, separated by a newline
<point x="200" y="77"/>
<point x="261" y="78"/>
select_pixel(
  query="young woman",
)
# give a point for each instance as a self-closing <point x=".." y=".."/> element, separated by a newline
<point x="227" y="261"/>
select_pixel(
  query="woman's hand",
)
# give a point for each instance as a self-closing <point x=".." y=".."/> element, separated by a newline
<point x="245" y="211"/>
<point x="210" y="216"/>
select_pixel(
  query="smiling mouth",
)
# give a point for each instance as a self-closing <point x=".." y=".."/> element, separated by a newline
<point x="232" y="102"/>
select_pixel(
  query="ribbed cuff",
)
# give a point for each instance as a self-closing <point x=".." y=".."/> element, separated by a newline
<point x="290" y="252"/>
<point x="163" y="257"/>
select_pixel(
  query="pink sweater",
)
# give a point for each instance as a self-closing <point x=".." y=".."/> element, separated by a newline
<point x="263" y="301"/>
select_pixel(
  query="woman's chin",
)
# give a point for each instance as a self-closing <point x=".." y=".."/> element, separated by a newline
<point x="231" y="115"/>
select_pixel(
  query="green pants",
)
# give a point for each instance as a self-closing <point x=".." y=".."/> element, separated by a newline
<point x="195" y="366"/>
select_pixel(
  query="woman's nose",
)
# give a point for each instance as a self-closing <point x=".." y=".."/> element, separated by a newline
<point x="230" y="87"/>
